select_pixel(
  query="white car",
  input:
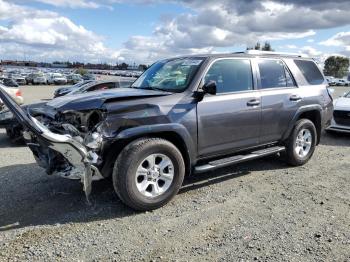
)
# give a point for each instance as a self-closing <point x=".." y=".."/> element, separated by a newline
<point x="57" y="79"/>
<point x="15" y="93"/>
<point x="39" y="79"/>
<point x="74" y="78"/>
<point x="342" y="82"/>
<point x="341" y="115"/>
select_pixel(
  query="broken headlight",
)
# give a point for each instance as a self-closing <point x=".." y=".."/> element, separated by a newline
<point x="93" y="140"/>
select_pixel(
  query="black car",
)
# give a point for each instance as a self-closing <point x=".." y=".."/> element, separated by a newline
<point x="183" y="116"/>
<point x="88" y="77"/>
<point x="62" y="91"/>
<point x="89" y="86"/>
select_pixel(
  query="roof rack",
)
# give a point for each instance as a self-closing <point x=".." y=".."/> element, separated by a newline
<point x="273" y="53"/>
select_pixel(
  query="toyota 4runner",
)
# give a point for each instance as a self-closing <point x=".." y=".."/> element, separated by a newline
<point x="184" y="115"/>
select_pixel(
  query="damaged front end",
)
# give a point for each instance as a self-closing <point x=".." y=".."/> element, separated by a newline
<point x="65" y="153"/>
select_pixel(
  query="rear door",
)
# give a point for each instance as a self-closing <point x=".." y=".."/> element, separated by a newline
<point x="229" y="120"/>
<point x="280" y="98"/>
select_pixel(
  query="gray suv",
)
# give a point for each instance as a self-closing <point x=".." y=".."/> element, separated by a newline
<point x="183" y="116"/>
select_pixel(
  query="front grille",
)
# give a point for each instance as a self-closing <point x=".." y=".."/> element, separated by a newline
<point x="342" y="117"/>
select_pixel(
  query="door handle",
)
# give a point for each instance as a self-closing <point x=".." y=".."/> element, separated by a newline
<point x="295" y="98"/>
<point x="253" y="102"/>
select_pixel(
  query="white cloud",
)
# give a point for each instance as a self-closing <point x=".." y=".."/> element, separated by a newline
<point x="71" y="3"/>
<point x="310" y="51"/>
<point x="339" y="39"/>
<point x="211" y="25"/>
<point x="46" y="35"/>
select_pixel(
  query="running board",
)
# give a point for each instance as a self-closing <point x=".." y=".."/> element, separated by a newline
<point x="238" y="159"/>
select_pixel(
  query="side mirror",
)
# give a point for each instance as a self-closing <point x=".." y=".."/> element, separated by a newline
<point x="209" y="88"/>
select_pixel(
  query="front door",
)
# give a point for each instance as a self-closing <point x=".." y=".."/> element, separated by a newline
<point x="229" y="120"/>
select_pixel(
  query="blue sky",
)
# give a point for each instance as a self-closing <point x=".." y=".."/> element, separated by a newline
<point x="143" y="31"/>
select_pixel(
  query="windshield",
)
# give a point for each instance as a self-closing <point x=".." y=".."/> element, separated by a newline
<point x="171" y="75"/>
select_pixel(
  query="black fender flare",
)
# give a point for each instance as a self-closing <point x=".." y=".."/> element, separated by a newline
<point x="157" y="130"/>
<point x="299" y="112"/>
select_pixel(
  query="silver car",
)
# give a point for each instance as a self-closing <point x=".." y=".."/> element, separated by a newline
<point x="341" y="115"/>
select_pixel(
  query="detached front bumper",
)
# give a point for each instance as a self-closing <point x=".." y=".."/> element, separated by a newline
<point x="51" y="149"/>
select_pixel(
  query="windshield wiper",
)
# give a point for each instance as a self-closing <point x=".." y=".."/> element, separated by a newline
<point x="150" y="88"/>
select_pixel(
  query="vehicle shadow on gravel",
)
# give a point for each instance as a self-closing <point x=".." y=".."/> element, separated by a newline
<point x="232" y="172"/>
<point x="335" y="139"/>
<point x="29" y="197"/>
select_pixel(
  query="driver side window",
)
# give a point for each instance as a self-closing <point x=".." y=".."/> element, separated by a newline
<point x="231" y="75"/>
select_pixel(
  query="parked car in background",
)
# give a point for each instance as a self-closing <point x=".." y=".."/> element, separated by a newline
<point x="35" y="78"/>
<point x="331" y="81"/>
<point x="56" y="79"/>
<point x="342" y="82"/>
<point x="29" y="78"/>
<point x="15" y="93"/>
<point x="67" y="89"/>
<point x="184" y="115"/>
<point x="39" y="79"/>
<point x="74" y="79"/>
<point x="9" y="82"/>
<point x="102" y="85"/>
<point x="341" y="115"/>
<point x="88" y="77"/>
<point x="20" y="80"/>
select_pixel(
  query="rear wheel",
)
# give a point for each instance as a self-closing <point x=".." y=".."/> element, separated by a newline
<point x="302" y="143"/>
<point x="148" y="173"/>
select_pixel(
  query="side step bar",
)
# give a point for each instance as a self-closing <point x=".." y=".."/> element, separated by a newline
<point x="238" y="159"/>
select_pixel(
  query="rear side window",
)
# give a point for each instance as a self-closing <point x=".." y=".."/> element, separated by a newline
<point x="274" y="74"/>
<point x="231" y="75"/>
<point x="310" y="71"/>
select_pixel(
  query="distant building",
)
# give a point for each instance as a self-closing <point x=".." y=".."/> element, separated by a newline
<point x="18" y="63"/>
<point x="59" y="65"/>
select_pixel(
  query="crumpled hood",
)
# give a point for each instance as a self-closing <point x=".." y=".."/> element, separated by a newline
<point x="342" y="103"/>
<point x="95" y="100"/>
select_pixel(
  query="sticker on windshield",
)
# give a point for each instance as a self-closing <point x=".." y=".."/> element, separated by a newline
<point x="191" y="62"/>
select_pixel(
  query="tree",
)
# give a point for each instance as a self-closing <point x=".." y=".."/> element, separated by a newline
<point x="337" y="66"/>
<point x="123" y="66"/>
<point x="257" y="46"/>
<point x="143" y="67"/>
<point x="265" y="47"/>
<point x="82" y="71"/>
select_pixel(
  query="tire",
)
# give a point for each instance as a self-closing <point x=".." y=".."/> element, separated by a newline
<point x="306" y="149"/>
<point x="135" y="181"/>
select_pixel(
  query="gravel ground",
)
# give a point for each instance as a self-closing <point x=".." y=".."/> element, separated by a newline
<point x="261" y="210"/>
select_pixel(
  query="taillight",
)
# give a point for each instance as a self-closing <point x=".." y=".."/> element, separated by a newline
<point x="18" y="93"/>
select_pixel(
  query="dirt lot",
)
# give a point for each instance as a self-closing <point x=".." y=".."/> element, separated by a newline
<point x="262" y="210"/>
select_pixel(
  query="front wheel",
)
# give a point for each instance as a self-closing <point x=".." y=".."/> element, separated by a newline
<point x="301" y="143"/>
<point x="148" y="173"/>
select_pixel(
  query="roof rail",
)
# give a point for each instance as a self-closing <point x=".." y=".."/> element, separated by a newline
<point x="273" y="53"/>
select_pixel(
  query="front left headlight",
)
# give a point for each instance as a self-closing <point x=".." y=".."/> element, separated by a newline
<point x="93" y="140"/>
